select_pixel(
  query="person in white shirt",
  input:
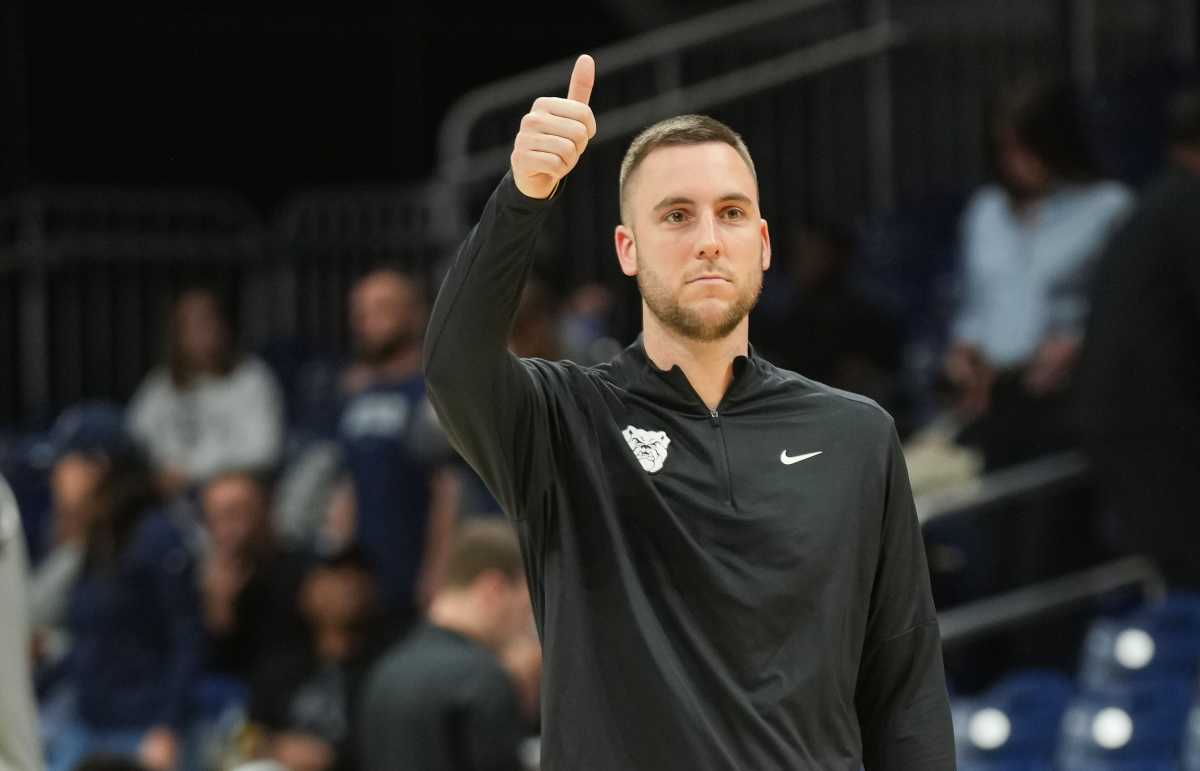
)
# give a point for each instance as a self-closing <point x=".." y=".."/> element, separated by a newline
<point x="208" y="408"/>
<point x="1029" y="246"/>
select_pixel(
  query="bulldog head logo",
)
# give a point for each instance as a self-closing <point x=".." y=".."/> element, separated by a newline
<point x="649" y="447"/>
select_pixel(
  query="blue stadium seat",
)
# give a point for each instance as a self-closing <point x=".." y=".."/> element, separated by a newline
<point x="1014" y="725"/>
<point x="1155" y="642"/>
<point x="1135" y="725"/>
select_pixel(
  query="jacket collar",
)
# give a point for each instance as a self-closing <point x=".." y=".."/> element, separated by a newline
<point x="672" y="389"/>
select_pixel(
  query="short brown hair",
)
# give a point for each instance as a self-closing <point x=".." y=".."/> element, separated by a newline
<point x="481" y="545"/>
<point x="680" y="130"/>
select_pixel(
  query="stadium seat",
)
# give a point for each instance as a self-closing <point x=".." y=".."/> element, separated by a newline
<point x="1135" y="725"/>
<point x="1153" y="643"/>
<point x="1014" y="725"/>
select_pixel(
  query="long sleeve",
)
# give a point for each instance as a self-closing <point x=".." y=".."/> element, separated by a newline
<point x="491" y="403"/>
<point x="901" y="699"/>
<point x="967" y="325"/>
<point x="179" y="604"/>
<point x="1068" y="297"/>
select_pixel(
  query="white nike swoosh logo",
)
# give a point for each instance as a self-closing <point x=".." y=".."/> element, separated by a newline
<point x="787" y="460"/>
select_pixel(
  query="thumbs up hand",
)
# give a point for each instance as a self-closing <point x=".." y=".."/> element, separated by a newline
<point x="554" y="134"/>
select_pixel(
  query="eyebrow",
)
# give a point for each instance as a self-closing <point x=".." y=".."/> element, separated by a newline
<point x="676" y="200"/>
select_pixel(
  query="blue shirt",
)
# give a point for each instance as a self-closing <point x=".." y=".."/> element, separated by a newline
<point x="1026" y="276"/>
<point x="391" y="482"/>
<point x="137" y="633"/>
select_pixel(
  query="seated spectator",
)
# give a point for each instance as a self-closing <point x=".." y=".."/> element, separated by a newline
<point x="250" y="584"/>
<point x="400" y="499"/>
<point x="830" y="329"/>
<point x="134" y="619"/>
<point x="302" y="698"/>
<point x="1140" y="373"/>
<point x="208" y="408"/>
<point x="83" y="439"/>
<point x="1029" y="247"/>
<point x="442" y="699"/>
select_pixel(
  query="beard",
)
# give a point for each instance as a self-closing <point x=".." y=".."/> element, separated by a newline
<point x="689" y="323"/>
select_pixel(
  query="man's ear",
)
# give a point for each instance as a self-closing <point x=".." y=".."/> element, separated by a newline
<point x="626" y="250"/>
<point x="766" y="245"/>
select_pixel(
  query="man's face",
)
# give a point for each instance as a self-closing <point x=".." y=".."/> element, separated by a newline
<point x="385" y="316"/>
<point x="695" y="238"/>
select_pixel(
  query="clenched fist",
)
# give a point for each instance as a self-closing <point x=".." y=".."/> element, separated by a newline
<point x="554" y="134"/>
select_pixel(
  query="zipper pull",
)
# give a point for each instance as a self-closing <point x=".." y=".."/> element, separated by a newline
<point x="716" y="419"/>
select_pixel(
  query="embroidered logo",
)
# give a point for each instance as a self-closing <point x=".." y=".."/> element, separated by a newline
<point x="649" y="447"/>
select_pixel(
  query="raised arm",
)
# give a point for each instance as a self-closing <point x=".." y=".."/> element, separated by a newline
<point x="490" y="402"/>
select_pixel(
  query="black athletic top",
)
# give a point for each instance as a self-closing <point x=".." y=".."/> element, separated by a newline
<point x="743" y="588"/>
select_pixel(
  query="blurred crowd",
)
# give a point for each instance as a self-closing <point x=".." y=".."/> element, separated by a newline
<point x="224" y="578"/>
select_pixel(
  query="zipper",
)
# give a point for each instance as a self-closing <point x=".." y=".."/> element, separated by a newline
<point x="716" y="422"/>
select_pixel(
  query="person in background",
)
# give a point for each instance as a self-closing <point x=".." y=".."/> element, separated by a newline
<point x="209" y="407"/>
<point x="133" y="616"/>
<point x="20" y="748"/>
<point x="400" y="497"/>
<point x="833" y="331"/>
<point x="250" y="583"/>
<point x="302" y="699"/>
<point x="1029" y="245"/>
<point x="83" y="441"/>
<point x="1139" y="390"/>
<point x="442" y="699"/>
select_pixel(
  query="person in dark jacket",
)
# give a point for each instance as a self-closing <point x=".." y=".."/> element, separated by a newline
<point x="724" y="558"/>
<point x="1139" y="390"/>
<point x="133" y="616"/>
<point x="441" y="699"/>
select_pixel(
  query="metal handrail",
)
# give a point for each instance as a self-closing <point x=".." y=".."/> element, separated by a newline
<point x="1003" y="486"/>
<point x="454" y="133"/>
<point x="1026" y="604"/>
<point x="622" y="121"/>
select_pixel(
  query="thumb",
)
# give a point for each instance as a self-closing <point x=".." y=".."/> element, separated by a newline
<point x="583" y="77"/>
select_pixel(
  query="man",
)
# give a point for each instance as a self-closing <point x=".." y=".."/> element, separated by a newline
<point x="724" y="558"/>
<point x="401" y="498"/>
<point x="442" y="700"/>
<point x="20" y="748"/>
<point x="1140" y="371"/>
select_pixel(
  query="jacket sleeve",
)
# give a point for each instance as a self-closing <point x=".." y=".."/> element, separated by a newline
<point x="901" y="699"/>
<point x="492" y="404"/>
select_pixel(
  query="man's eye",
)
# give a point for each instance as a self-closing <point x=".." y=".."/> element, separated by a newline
<point x="734" y="213"/>
<point x="675" y="216"/>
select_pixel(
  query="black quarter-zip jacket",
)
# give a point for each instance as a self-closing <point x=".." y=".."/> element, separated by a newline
<point x="741" y="588"/>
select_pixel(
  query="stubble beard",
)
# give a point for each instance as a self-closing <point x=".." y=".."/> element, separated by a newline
<point x="688" y="323"/>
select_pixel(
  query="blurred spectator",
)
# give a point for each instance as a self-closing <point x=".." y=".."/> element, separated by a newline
<point x="401" y="498"/>
<point x="208" y="408"/>
<point x="442" y="700"/>
<point x="1140" y="373"/>
<point x="84" y="439"/>
<point x="303" y="696"/>
<point x="251" y="584"/>
<point x="134" y="620"/>
<point x="1029" y="247"/>
<point x="830" y="329"/>
<point x="20" y="749"/>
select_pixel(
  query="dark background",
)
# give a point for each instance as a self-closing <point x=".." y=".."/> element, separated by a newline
<point x="264" y="98"/>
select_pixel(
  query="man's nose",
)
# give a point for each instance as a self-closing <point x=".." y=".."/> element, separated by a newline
<point x="709" y="244"/>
